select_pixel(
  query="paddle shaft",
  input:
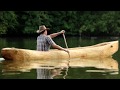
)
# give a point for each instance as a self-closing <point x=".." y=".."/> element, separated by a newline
<point x="65" y="41"/>
<point x="69" y="56"/>
<point x="66" y="44"/>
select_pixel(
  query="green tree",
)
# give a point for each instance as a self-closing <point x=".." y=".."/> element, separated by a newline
<point x="8" y="22"/>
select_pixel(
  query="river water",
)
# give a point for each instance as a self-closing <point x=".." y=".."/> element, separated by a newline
<point x="107" y="68"/>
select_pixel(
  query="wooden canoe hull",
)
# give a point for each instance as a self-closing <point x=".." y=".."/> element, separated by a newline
<point x="102" y="50"/>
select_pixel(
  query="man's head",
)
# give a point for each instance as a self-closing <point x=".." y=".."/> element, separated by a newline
<point x="42" y="28"/>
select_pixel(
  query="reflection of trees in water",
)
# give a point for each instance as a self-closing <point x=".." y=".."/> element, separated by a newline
<point x="14" y="42"/>
<point x="18" y="42"/>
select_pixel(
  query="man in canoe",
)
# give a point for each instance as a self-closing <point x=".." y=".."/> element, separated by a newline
<point x="44" y="41"/>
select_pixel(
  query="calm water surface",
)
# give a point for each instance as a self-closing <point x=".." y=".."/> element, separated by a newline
<point x="107" y="68"/>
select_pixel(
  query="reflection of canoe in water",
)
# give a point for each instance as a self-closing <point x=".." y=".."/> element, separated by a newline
<point x="101" y="50"/>
<point x="106" y="63"/>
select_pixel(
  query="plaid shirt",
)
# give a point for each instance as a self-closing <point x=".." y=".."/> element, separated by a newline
<point x="44" y="42"/>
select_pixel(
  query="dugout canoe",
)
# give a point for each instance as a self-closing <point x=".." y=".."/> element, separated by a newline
<point x="101" y="50"/>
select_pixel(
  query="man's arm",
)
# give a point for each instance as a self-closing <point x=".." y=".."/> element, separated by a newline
<point x="56" y="34"/>
<point x="59" y="47"/>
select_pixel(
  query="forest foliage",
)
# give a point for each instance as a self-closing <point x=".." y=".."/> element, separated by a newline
<point x="83" y="23"/>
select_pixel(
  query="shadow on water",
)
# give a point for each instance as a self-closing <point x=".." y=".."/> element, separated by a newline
<point x="60" y="69"/>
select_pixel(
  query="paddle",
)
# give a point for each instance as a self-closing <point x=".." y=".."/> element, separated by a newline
<point x="69" y="56"/>
<point x="65" y="40"/>
<point x="66" y="44"/>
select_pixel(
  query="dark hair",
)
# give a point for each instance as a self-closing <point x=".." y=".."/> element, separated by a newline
<point x="42" y="32"/>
